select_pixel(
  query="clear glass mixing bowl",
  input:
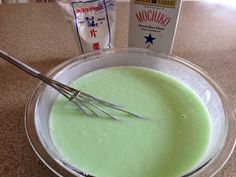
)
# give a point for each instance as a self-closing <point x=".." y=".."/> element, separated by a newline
<point x="221" y="112"/>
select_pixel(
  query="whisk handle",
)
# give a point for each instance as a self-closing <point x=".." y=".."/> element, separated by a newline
<point x="19" y="64"/>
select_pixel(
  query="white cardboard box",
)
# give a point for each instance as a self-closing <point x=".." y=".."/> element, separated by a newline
<point x="152" y="24"/>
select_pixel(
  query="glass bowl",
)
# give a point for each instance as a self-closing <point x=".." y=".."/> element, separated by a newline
<point x="221" y="112"/>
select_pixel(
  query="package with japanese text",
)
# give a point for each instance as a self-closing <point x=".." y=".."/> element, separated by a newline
<point x="93" y="20"/>
<point x="152" y="24"/>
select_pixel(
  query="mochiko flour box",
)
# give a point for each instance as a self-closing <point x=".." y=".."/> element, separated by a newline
<point x="152" y="24"/>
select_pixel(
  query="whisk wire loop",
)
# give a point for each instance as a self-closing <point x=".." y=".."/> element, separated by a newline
<point x="88" y="104"/>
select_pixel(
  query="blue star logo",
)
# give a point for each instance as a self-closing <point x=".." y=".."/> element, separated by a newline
<point x="149" y="39"/>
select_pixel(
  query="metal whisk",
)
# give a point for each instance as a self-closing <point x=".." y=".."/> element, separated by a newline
<point x="88" y="104"/>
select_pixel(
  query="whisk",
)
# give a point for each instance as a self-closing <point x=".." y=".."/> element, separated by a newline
<point x="86" y="103"/>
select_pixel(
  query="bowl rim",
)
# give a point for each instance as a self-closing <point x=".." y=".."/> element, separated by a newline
<point x="61" y="168"/>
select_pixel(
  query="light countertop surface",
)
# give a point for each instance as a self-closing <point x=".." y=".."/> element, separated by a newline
<point x="40" y="36"/>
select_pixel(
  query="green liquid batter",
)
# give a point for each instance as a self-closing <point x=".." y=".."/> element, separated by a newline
<point x="167" y="144"/>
